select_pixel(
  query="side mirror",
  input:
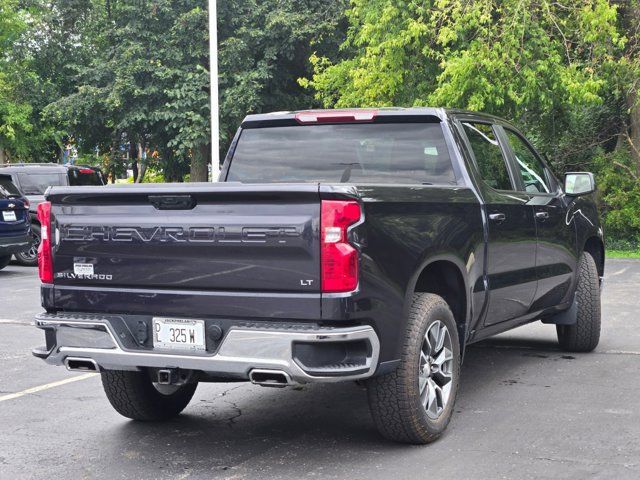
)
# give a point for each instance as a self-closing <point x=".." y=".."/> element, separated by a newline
<point x="579" y="183"/>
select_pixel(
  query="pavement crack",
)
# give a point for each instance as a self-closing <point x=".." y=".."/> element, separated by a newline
<point x="238" y="411"/>
<point x="229" y="390"/>
<point x="232" y="420"/>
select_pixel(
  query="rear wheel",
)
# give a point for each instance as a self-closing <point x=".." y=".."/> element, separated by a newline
<point x="584" y="335"/>
<point x="414" y="403"/>
<point x="29" y="258"/>
<point x="4" y="261"/>
<point x="134" y="395"/>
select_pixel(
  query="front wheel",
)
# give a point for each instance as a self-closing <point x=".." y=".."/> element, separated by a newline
<point x="29" y="258"/>
<point x="134" y="395"/>
<point x="414" y="403"/>
<point x="584" y="335"/>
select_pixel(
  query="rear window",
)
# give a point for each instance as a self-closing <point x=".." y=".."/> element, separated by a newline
<point x="411" y="153"/>
<point x="84" y="177"/>
<point x="37" y="183"/>
<point x="7" y="188"/>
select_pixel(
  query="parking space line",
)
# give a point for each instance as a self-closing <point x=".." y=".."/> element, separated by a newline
<point x="15" y="322"/>
<point x="46" y="386"/>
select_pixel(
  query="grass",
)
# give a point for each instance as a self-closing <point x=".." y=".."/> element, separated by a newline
<point x="622" y="253"/>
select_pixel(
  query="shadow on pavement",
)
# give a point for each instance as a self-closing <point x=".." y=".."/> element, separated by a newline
<point x="11" y="273"/>
<point x="243" y="422"/>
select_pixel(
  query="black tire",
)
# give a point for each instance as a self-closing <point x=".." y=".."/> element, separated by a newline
<point x="4" y="261"/>
<point x="29" y="258"/>
<point x="395" y="398"/>
<point x="135" y="396"/>
<point x="584" y="335"/>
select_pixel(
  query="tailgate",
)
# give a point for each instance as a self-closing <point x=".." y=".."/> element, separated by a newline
<point x="224" y="237"/>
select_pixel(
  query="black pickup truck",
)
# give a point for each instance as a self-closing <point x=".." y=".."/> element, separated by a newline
<point x="369" y="245"/>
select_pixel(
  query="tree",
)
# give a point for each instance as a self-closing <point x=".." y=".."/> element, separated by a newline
<point x="128" y="78"/>
<point x="15" y="112"/>
<point x="264" y="49"/>
<point x="629" y="78"/>
<point x="535" y="62"/>
<point x="146" y="58"/>
<point x="185" y="72"/>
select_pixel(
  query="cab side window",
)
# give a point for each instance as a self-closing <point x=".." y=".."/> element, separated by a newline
<point x="488" y="154"/>
<point x="529" y="167"/>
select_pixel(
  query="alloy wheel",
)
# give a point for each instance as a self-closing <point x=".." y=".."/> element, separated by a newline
<point x="435" y="376"/>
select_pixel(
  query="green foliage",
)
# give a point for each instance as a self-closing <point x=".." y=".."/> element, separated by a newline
<point x="264" y="48"/>
<point x="152" y="176"/>
<point x="107" y="74"/>
<point x="623" y="253"/>
<point x="619" y="181"/>
<point x="503" y="57"/>
<point x="138" y="77"/>
<point x="15" y="111"/>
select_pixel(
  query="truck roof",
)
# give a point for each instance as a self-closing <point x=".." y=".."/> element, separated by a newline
<point x="290" y="117"/>
<point x="348" y="115"/>
<point x="41" y="167"/>
<point x="31" y="167"/>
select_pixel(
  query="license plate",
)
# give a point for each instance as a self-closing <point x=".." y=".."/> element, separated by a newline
<point x="178" y="334"/>
<point x="9" y="216"/>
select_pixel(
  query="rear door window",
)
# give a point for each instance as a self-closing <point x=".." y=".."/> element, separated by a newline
<point x="37" y="183"/>
<point x="393" y="153"/>
<point x="531" y="169"/>
<point x="85" y="177"/>
<point x="7" y="187"/>
<point x="488" y="154"/>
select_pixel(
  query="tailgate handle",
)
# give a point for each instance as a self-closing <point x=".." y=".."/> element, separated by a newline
<point x="172" y="202"/>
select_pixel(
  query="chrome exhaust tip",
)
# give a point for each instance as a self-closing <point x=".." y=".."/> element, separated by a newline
<point x="270" y="378"/>
<point x="77" y="364"/>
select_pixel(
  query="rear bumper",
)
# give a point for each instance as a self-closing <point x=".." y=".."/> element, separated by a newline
<point x="243" y="348"/>
<point x="11" y="245"/>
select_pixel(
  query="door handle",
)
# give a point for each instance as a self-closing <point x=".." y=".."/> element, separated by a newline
<point x="497" y="217"/>
<point x="542" y="216"/>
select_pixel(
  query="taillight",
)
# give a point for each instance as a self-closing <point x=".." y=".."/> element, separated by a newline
<point x="336" y="116"/>
<point x="45" y="260"/>
<point x="26" y="203"/>
<point x="338" y="258"/>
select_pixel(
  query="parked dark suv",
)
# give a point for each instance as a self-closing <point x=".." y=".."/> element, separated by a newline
<point x="33" y="179"/>
<point x="15" y="225"/>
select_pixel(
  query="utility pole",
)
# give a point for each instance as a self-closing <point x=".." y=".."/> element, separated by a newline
<point x="213" y="69"/>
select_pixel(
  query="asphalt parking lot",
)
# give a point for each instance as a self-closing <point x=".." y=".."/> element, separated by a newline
<point x="525" y="410"/>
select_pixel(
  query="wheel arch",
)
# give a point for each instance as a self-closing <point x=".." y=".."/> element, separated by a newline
<point x="595" y="246"/>
<point x="443" y="275"/>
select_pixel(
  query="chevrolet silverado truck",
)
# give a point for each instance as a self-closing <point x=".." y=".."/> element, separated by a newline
<point x="339" y="245"/>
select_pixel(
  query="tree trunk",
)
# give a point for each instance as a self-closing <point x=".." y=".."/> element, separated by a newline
<point x="629" y="14"/>
<point x="633" y="101"/>
<point x="141" y="162"/>
<point x="3" y="156"/>
<point x="200" y="164"/>
<point x="113" y="156"/>
<point x="133" y="158"/>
